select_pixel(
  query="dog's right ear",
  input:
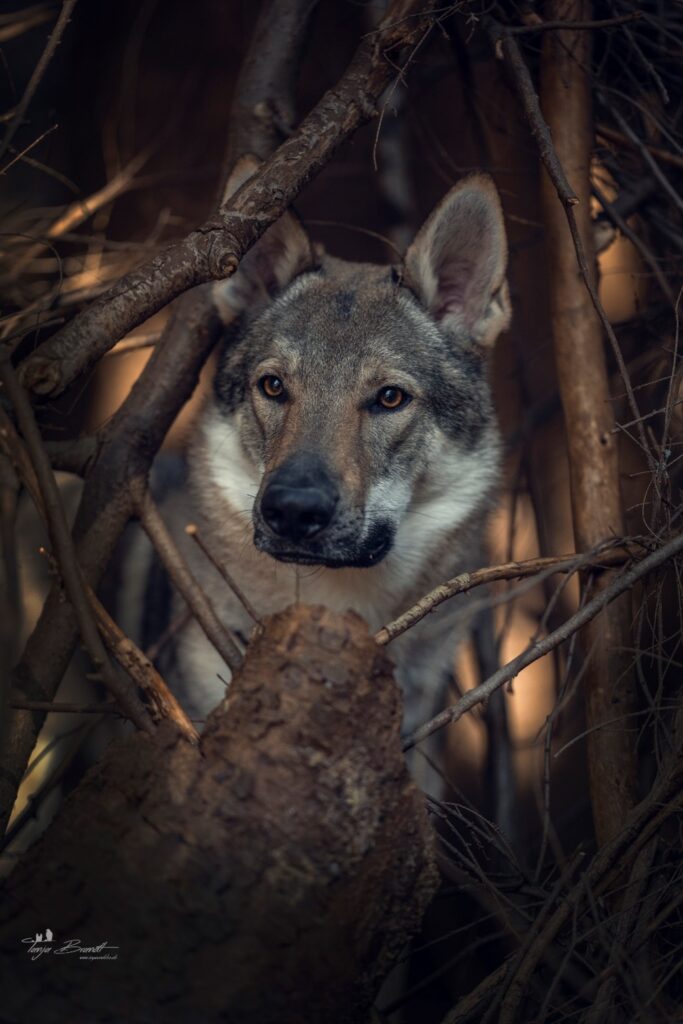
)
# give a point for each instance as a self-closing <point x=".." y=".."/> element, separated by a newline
<point x="283" y="252"/>
<point x="456" y="265"/>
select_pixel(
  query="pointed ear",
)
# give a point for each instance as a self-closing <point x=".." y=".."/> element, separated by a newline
<point x="457" y="263"/>
<point x="282" y="253"/>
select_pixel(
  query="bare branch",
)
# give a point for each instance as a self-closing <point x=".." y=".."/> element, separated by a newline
<point x="139" y="667"/>
<point x="508" y="48"/>
<point x="619" y="585"/>
<point x="64" y="707"/>
<point x="192" y="593"/>
<point x="508" y="571"/>
<point x="665" y="155"/>
<point x="214" y="250"/>
<point x="192" y="531"/>
<point x="553" y="26"/>
<point x="65" y="553"/>
<point x="48" y="53"/>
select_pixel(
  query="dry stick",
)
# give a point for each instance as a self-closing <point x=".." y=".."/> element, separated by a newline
<point x="649" y="160"/>
<point x="140" y="669"/>
<point x="508" y="571"/>
<point x="81" y="209"/>
<point x="553" y="26"/>
<point x="27" y="149"/>
<point x="192" y="531"/>
<point x="577" y="341"/>
<point x="664" y="155"/>
<point x="48" y="53"/>
<point x="509" y="49"/>
<point x="122" y="648"/>
<point x="664" y="800"/>
<point x="213" y="251"/>
<point x="507" y="672"/>
<point x="191" y="592"/>
<point x="65" y="553"/>
<point x="62" y="707"/>
<point x="613" y="214"/>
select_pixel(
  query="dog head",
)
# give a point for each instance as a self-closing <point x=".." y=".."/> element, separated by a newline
<point x="349" y="396"/>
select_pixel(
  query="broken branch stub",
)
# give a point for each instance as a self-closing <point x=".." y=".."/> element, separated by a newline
<point x="275" y="873"/>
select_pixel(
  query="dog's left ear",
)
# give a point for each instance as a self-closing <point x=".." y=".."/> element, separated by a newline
<point x="457" y="263"/>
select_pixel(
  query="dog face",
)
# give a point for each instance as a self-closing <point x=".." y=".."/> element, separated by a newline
<point x="350" y="396"/>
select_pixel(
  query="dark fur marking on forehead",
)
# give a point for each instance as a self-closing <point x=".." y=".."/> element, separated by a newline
<point x="344" y="303"/>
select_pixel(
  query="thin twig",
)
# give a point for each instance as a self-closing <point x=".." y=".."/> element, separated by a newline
<point x="174" y="627"/>
<point x="81" y="209"/>
<point x="191" y="592"/>
<point x="552" y="26"/>
<point x="48" y="53"/>
<point x="140" y="669"/>
<point x="65" y="553"/>
<point x="192" y="531"/>
<point x="665" y="155"/>
<point x="63" y="707"/>
<point x="508" y="571"/>
<point x="508" y="48"/>
<point x="619" y="585"/>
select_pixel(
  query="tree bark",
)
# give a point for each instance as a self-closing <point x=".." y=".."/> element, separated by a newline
<point x="583" y="382"/>
<point x="274" y="873"/>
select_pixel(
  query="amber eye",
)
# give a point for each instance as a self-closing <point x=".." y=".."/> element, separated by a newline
<point x="391" y="398"/>
<point x="272" y="386"/>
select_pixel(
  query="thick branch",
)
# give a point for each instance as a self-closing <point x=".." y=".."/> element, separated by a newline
<point x="123" y="454"/>
<point x="508" y="48"/>
<point x="577" y="315"/>
<point x="608" y="683"/>
<point x="214" y="250"/>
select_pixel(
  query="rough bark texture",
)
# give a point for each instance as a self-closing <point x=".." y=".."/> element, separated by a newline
<point x="584" y="390"/>
<point x="272" y="874"/>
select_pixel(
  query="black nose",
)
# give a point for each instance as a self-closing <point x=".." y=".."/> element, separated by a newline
<point x="299" y="499"/>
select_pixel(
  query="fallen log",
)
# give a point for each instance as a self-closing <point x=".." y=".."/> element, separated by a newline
<point x="274" y="873"/>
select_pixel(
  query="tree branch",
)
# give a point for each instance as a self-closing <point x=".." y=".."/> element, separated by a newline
<point x="65" y="554"/>
<point x="189" y="589"/>
<point x="492" y="574"/>
<point x="479" y="694"/>
<point x="48" y="53"/>
<point x="553" y="26"/>
<point x="214" y="250"/>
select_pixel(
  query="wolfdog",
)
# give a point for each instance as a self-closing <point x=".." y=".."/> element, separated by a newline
<point x="349" y="451"/>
